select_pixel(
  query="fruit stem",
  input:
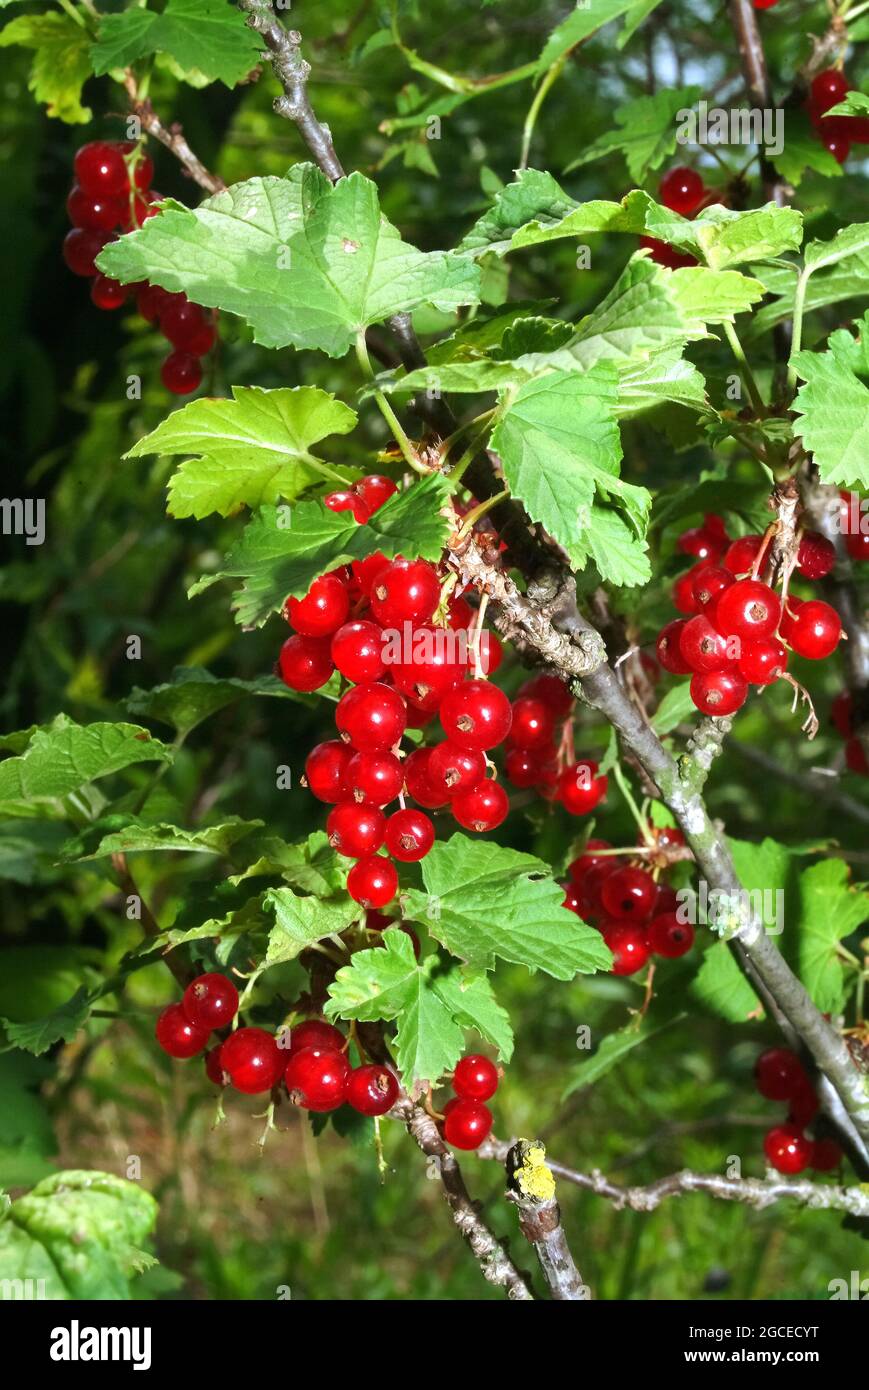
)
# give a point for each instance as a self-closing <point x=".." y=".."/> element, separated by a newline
<point x="642" y="823"/>
<point x="386" y="410"/>
<point x="475" y="639"/>
<point x="549" y="80"/>
<point x="473" y="516"/>
<point x="797" y="334"/>
<point x="750" y="382"/>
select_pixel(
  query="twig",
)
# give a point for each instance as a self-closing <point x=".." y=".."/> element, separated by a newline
<point x="495" y="1263"/>
<point x="183" y="973"/>
<point x="172" y="137"/>
<point x="531" y="1187"/>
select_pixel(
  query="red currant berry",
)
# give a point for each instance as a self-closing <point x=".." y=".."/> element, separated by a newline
<point x="181" y="373"/>
<point x="371" y="716"/>
<point x="779" y="1073"/>
<point x="709" y="581"/>
<point x="855" y="757"/>
<point x="837" y="145"/>
<point x="316" y="1078"/>
<point x="355" y="829"/>
<point x="376" y="777"/>
<point x="826" y="1155"/>
<point x="628" y="944"/>
<point x="790" y="610"/>
<point x="702" y="543"/>
<point x="666" y="901"/>
<point x="100" y="169"/>
<point x="663" y="254"/>
<point x="419" y="783"/>
<point x="718" y="692"/>
<point x="669" y="648"/>
<point x="816" y="555"/>
<point x="762" y="662"/>
<point x="108" y="294"/>
<point x="788" y="1149"/>
<point x="364" y="573"/>
<point x="573" y="899"/>
<point x="454" y="770"/>
<point x="522" y="767"/>
<point x="357" y="651"/>
<point x="252" y="1059"/>
<point x="476" y="715"/>
<point x="214" y="1066"/>
<point x="323" y="609"/>
<point x="827" y="89"/>
<point x="304" y="663"/>
<point x="857" y="545"/>
<point x="409" y="835"/>
<point x="681" y="190"/>
<point x="841" y="713"/>
<point x="181" y="322"/>
<point x="210" y="1001"/>
<point x="475" y="1077"/>
<point x="532" y="723"/>
<point x="178" y="1035"/>
<point x="466" y="1124"/>
<point x="407" y="591"/>
<point x="491" y="652"/>
<point x="314" y="1032"/>
<point x="374" y="490"/>
<point x="629" y="893"/>
<point x="143" y="170"/>
<point x="371" y="1090"/>
<point x="552" y="691"/>
<point x="764" y="4"/>
<point x="748" y="609"/>
<point x="483" y="807"/>
<point x="669" y="937"/>
<point x="80" y="249"/>
<point x="373" y="882"/>
<point x="682" y="593"/>
<point x="804" y="1105"/>
<point x="435" y="666"/>
<point x="816" y="630"/>
<point x="345" y="501"/>
<point x="579" y="787"/>
<point x="739" y="557"/>
<point x="578" y="868"/>
<point x="703" y="648"/>
<point x="93" y="211"/>
<point x="326" y="770"/>
<point x="150" y="300"/>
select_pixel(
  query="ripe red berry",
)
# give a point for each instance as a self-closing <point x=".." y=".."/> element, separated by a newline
<point x="304" y="663"/>
<point x="764" y="4"/>
<point x="346" y="501"/>
<point x="709" y="581"/>
<point x="483" y="807"/>
<point x="371" y="716"/>
<point x="627" y="941"/>
<point x="93" y="211"/>
<point x="762" y="662"/>
<point x="718" y="692"/>
<point x="790" y="609"/>
<point x="150" y="300"/>
<point x="702" y="543"/>
<point x="181" y="373"/>
<point x="475" y="1077"/>
<point x="409" y="835"/>
<point x="667" y="936"/>
<point x="100" y="169"/>
<point x="827" y="89"/>
<point x="357" y="649"/>
<point x="855" y="757"/>
<point x="552" y="691"/>
<point x="252" y="1059"/>
<point x="857" y="545"/>
<point x="210" y="1001"/>
<point x="476" y="715"/>
<point x="436" y="665"/>
<point x="580" y="788"/>
<point x="681" y="190"/>
<point x="748" y="609"/>
<point x="466" y="1123"/>
<point x="182" y="323"/>
<point x="178" y="1035"/>
<point x="316" y="1078"/>
<point x="826" y="1155"/>
<point x="107" y="294"/>
<point x="578" y="868"/>
<point x="326" y="770"/>
<point x="841" y="713"/>
<point x="453" y="769"/>
<point x="522" y="767"/>
<point x="816" y="630"/>
<point x="419" y="782"/>
<point x="406" y="591"/>
<point x="629" y="893"/>
<point x="787" y="1149"/>
<point x="323" y="609"/>
<point x="804" y="1105"/>
<point x="372" y="1090"/>
<point x="739" y="557"/>
<point x="214" y="1066"/>
<point x="314" y="1032"/>
<point x="703" y="647"/>
<point x="355" y="828"/>
<point x="80" y="249"/>
<point x="373" y="882"/>
<point x="376" y="777"/>
<point x="837" y="145"/>
<point x="663" y="254"/>
<point x="669" y="649"/>
<point x="816" y="555"/>
<point x="779" y="1073"/>
<point x="682" y="593"/>
<point x="532" y="723"/>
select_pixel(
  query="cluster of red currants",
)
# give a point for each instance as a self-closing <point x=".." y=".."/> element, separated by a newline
<point x="535" y="759"/>
<point x="837" y="133"/>
<point x="681" y="190"/>
<point x="467" y="1120"/>
<point x="780" y="1076"/>
<point x="112" y="194"/>
<point x="738" y="631"/>
<point x="636" y="915"/>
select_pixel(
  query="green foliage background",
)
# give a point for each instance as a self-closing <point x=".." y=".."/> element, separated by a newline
<point x="314" y="1214"/>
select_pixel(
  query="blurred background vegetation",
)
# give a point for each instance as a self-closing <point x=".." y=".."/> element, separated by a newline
<point x="315" y="1214"/>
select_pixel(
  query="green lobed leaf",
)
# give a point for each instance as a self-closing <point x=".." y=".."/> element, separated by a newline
<point x="281" y="552"/>
<point x="61" y="62"/>
<point x="722" y="987"/>
<point x="302" y="921"/>
<point x="645" y="131"/>
<point x="38" y="1035"/>
<point x="848" y="241"/>
<point x="193" y="694"/>
<point x="484" y="901"/>
<point x="64" y="756"/>
<point x="803" y="150"/>
<point x="121" y="834"/>
<point x="675" y="707"/>
<point x="80" y="1232"/>
<point x="251" y="450"/>
<point x="833" y="408"/>
<point x="207" y="36"/>
<point x="581" y="23"/>
<point x="831" y="908"/>
<point x="610" y="1052"/>
<point x="304" y="262"/>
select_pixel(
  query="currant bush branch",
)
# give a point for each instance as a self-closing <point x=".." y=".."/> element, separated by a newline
<point x="172" y="137"/>
<point x="531" y="1187"/>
